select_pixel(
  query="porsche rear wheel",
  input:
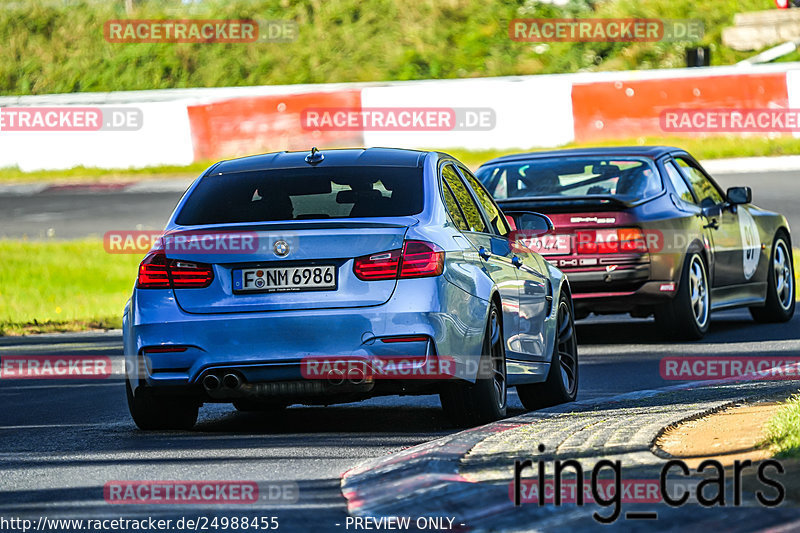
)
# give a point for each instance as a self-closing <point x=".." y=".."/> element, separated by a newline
<point x="780" y="303"/>
<point x="686" y="317"/>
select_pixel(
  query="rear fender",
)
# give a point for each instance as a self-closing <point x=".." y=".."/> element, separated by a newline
<point x="705" y="252"/>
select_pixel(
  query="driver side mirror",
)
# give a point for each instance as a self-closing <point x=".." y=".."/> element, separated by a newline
<point x="532" y="224"/>
<point x="529" y="226"/>
<point x="740" y="195"/>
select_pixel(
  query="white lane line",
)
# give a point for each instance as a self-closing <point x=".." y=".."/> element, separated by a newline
<point x="23" y="190"/>
<point x="50" y="426"/>
<point x="59" y="386"/>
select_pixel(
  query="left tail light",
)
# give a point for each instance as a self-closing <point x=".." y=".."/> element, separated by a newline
<point x="611" y="241"/>
<point x="158" y="272"/>
<point x="417" y="259"/>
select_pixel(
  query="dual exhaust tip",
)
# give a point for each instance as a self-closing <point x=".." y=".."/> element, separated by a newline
<point x="213" y="382"/>
<point x="354" y="377"/>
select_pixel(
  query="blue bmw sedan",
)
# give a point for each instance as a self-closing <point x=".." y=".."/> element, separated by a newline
<point x="326" y="277"/>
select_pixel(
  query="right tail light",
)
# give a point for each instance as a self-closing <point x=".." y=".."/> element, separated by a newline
<point x="417" y="259"/>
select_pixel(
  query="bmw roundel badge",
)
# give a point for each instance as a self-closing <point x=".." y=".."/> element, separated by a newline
<point x="281" y="248"/>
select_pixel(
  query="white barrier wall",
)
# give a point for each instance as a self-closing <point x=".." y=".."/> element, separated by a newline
<point x="165" y="138"/>
<point x="532" y="111"/>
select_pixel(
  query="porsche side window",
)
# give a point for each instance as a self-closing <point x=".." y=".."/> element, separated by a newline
<point x="464" y="199"/>
<point x="454" y="209"/>
<point x="678" y="182"/>
<point x="496" y="217"/>
<point x="706" y="192"/>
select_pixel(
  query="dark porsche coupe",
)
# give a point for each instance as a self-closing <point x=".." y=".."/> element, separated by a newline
<point x="645" y="230"/>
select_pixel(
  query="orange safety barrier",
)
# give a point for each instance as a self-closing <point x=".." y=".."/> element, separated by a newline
<point x="257" y="124"/>
<point x="625" y="109"/>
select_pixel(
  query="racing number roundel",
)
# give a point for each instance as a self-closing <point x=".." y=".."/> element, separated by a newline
<point x="751" y="249"/>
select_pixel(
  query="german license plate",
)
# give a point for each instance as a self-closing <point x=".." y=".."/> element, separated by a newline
<point x="549" y="244"/>
<point x="299" y="278"/>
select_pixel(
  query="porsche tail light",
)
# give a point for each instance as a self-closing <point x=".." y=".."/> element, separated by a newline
<point x="611" y="241"/>
<point x="417" y="259"/>
<point x="158" y="272"/>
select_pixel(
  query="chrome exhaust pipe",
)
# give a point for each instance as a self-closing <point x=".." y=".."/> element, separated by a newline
<point x="211" y="382"/>
<point x="232" y="381"/>
<point x="335" y="377"/>
<point x="356" y="376"/>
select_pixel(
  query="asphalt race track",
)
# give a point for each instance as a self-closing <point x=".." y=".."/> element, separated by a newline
<point x="66" y="214"/>
<point x="61" y="441"/>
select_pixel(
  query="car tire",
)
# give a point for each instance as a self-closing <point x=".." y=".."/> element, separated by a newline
<point x="473" y="404"/>
<point x="251" y="406"/>
<point x="561" y="384"/>
<point x="780" y="303"/>
<point x="688" y="314"/>
<point x="152" y="413"/>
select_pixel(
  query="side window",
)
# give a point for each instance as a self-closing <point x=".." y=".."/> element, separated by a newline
<point x="496" y="217"/>
<point x="706" y="192"/>
<point x="678" y="182"/>
<point x="468" y="206"/>
<point x="454" y="209"/>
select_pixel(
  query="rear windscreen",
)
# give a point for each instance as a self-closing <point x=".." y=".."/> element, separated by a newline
<point x="629" y="179"/>
<point x="305" y="193"/>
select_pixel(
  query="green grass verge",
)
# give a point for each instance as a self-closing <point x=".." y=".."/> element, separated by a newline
<point x="91" y="174"/>
<point x="62" y="286"/>
<point x="59" y="47"/>
<point x="702" y="148"/>
<point x="783" y="430"/>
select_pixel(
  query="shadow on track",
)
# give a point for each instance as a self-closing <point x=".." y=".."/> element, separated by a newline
<point x="726" y="326"/>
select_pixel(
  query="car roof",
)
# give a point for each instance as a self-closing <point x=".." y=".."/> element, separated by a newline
<point x="386" y="157"/>
<point x="652" y="152"/>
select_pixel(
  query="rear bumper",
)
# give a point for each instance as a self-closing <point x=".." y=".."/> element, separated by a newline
<point x="621" y="299"/>
<point x="618" y="288"/>
<point x="268" y="347"/>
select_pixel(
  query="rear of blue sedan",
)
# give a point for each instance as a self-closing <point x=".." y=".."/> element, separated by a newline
<point x="270" y="261"/>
